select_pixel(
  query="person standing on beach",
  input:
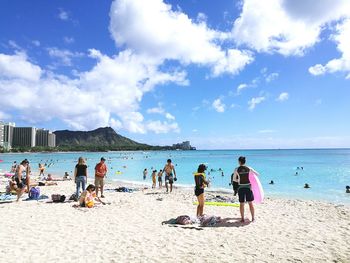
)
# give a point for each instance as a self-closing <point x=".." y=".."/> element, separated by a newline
<point x="160" y="180"/>
<point x="169" y="178"/>
<point x="145" y="172"/>
<point x="100" y="174"/>
<point x="154" y="174"/>
<point x="80" y="175"/>
<point x="201" y="183"/>
<point x="22" y="178"/>
<point x="234" y="183"/>
<point x="245" y="194"/>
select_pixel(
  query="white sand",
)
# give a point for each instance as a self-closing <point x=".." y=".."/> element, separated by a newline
<point x="130" y="230"/>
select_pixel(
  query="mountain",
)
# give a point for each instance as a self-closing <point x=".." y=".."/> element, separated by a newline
<point x="99" y="139"/>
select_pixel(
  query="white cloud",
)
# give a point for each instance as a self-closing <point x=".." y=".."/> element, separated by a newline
<point x="271" y="77"/>
<point x="63" y="15"/>
<point x="283" y="97"/>
<point x="342" y="64"/>
<point x="255" y="101"/>
<point x="242" y="87"/>
<point x="108" y="94"/>
<point x="218" y="105"/>
<point x="161" y="111"/>
<point x="169" y="116"/>
<point x="68" y="40"/>
<point x="152" y="28"/>
<point x="18" y="66"/>
<point x="287" y="27"/>
<point x="63" y="55"/>
<point x="162" y="127"/>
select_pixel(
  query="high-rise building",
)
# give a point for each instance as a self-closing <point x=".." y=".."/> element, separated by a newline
<point x="6" y="134"/>
<point x="42" y="137"/>
<point x="2" y="131"/>
<point x="52" y="139"/>
<point x="24" y="137"/>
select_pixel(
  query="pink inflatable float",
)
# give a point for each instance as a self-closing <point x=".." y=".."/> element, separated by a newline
<point x="257" y="189"/>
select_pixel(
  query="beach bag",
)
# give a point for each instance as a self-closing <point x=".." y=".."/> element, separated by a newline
<point x="56" y="198"/>
<point x="34" y="193"/>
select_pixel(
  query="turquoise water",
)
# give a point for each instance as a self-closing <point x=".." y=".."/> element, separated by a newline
<point x="327" y="171"/>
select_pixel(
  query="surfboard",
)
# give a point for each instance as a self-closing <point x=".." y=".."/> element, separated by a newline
<point x="219" y="204"/>
<point x="257" y="189"/>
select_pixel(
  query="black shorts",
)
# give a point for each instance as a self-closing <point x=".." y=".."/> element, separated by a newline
<point x="159" y="179"/>
<point x="198" y="191"/>
<point x="245" y="195"/>
<point x="169" y="178"/>
<point x="21" y="184"/>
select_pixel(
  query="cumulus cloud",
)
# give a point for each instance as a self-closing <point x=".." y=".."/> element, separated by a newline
<point x="18" y="66"/>
<point x="218" y="105"/>
<point x="342" y="64"/>
<point x="108" y="94"/>
<point x="255" y="101"/>
<point x="287" y="27"/>
<point x="283" y="97"/>
<point x="153" y="28"/>
<point x="162" y="127"/>
<point x="64" y="56"/>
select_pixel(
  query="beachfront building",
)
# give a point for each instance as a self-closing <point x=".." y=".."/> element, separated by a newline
<point x="2" y="129"/>
<point x="24" y="137"/>
<point x="42" y="137"/>
<point x="52" y="139"/>
<point x="6" y="134"/>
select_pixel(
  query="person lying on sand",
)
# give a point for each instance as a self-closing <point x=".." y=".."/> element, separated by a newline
<point x="88" y="197"/>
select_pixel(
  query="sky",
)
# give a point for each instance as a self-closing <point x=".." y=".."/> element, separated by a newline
<point x="222" y="74"/>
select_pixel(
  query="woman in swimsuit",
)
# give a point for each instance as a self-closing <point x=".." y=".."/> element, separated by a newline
<point x="201" y="183"/>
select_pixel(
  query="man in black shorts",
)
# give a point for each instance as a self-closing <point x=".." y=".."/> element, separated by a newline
<point x="245" y="193"/>
<point x="169" y="178"/>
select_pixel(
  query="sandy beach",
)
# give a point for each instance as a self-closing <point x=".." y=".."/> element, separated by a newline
<point x="130" y="229"/>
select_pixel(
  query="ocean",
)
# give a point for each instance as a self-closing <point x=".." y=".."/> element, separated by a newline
<point x="327" y="171"/>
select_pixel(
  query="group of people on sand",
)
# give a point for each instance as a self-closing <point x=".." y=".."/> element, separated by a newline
<point x="239" y="180"/>
<point x="170" y="176"/>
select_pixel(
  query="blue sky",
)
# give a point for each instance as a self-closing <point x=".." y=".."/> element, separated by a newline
<point x="222" y="74"/>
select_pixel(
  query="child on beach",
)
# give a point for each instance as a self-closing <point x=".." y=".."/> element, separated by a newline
<point x="145" y="172"/>
<point x="201" y="183"/>
<point x="154" y="174"/>
<point x="88" y="197"/>
<point x="245" y="194"/>
<point x="160" y="180"/>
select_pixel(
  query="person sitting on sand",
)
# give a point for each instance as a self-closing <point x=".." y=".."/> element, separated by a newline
<point x="160" y="180"/>
<point x="306" y="186"/>
<point x="12" y="186"/>
<point x="169" y="178"/>
<point x="66" y="176"/>
<point x="201" y="183"/>
<point x="88" y="197"/>
<point x="245" y="194"/>
<point x="154" y="174"/>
